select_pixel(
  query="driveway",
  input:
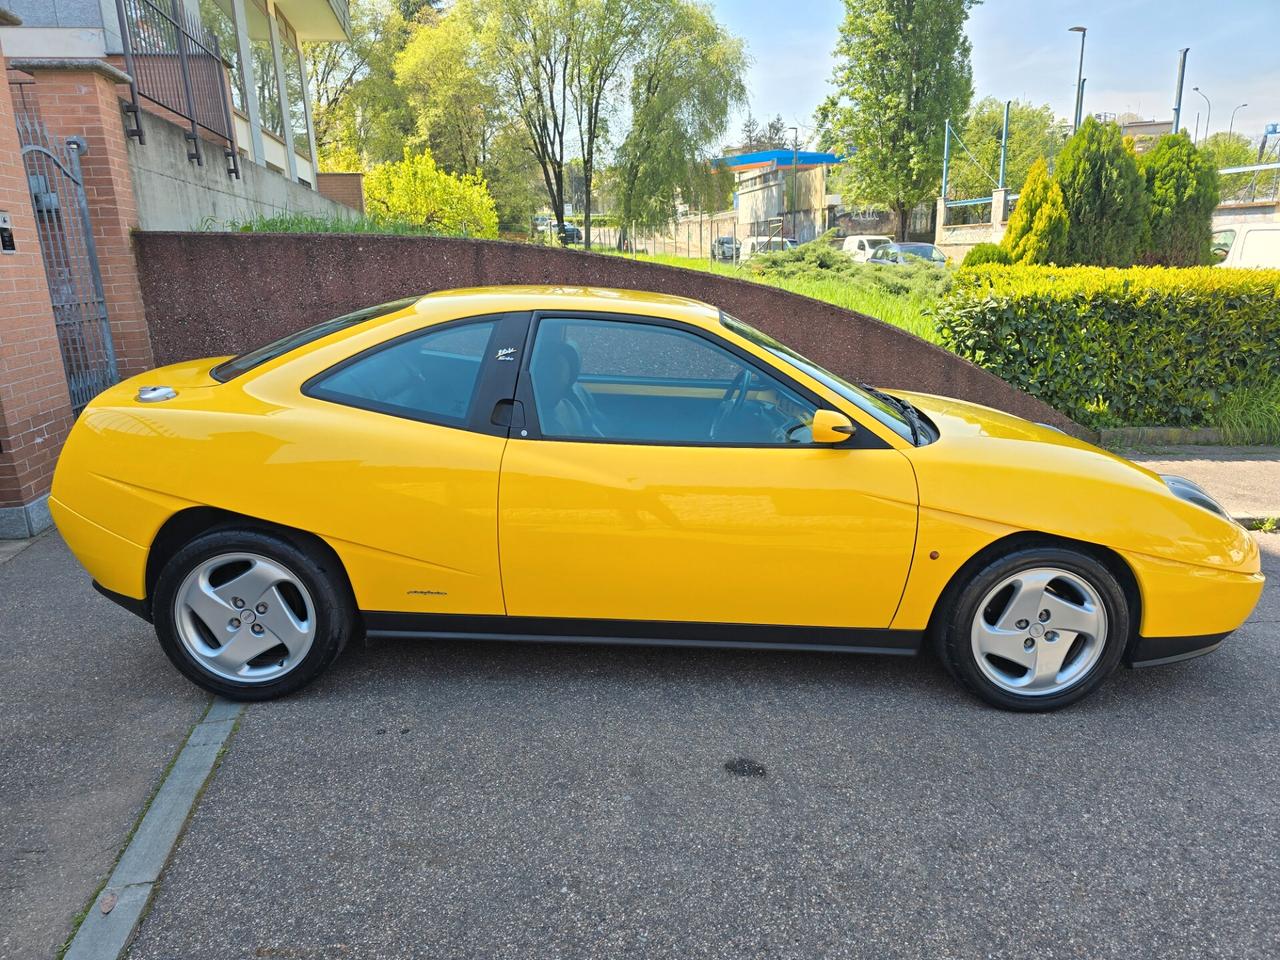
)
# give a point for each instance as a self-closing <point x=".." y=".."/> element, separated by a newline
<point x="521" y="801"/>
<point x="90" y="715"/>
<point x="515" y="801"/>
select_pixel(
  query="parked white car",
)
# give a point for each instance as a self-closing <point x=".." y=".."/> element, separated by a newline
<point x="753" y="245"/>
<point x="1255" y="245"/>
<point x="860" y="247"/>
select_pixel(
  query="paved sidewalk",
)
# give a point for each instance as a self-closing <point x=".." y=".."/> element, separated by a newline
<point x="90" y="714"/>
<point x="1245" y="480"/>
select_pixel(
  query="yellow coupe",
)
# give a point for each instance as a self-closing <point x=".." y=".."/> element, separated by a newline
<point x="606" y="466"/>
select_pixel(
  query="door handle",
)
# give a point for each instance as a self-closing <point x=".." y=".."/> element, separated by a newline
<point x="507" y="413"/>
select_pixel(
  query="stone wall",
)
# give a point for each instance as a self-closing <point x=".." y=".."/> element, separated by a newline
<point x="211" y="294"/>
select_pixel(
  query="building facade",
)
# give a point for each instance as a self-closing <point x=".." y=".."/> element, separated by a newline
<point x="123" y="115"/>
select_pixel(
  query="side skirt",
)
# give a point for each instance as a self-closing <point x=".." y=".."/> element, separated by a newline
<point x="646" y="633"/>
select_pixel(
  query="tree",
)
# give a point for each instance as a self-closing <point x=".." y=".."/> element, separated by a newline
<point x="1104" y="194"/>
<point x="902" y="69"/>
<point x="1234" y="150"/>
<point x="446" y="77"/>
<point x="1182" y="191"/>
<point x="416" y="190"/>
<point x="608" y="33"/>
<point x="772" y="136"/>
<point x="530" y="46"/>
<point x="1037" y="229"/>
<point x="1032" y="135"/>
<point x="687" y="81"/>
<point x="360" y="115"/>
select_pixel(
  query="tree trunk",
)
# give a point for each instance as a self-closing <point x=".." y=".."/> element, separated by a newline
<point x="900" y="227"/>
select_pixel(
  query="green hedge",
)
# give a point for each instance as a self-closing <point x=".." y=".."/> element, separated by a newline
<point x="1144" y="346"/>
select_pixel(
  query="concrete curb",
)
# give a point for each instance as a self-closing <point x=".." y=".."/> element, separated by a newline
<point x="118" y="908"/>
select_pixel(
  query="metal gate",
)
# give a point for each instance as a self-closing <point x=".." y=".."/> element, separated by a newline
<point x="70" y="259"/>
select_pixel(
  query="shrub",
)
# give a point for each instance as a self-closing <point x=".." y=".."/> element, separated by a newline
<point x="986" y="253"/>
<point x="1182" y="190"/>
<point x="417" y="191"/>
<point x="1104" y="194"/>
<point x="1037" y="231"/>
<point x="1147" y="346"/>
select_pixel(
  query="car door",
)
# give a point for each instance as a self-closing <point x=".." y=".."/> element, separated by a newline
<point x="663" y="474"/>
<point x="416" y="452"/>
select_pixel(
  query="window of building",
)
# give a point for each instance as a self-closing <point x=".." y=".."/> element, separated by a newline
<point x="294" y="89"/>
<point x="219" y="19"/>
<point x="628" y="381"/>
<point x="265" y="78"/>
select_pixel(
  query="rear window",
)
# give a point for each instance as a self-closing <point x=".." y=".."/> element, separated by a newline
<point x="278" y="348"/>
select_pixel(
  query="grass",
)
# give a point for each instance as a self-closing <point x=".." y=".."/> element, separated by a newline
<point x="901" y="296"/>
<point x="310" y="223"/>
<point x="1250" y="415"/>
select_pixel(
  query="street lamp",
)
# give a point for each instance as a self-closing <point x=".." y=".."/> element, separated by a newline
<point x="795" y="177"/>
<point x="1079" y="78"/>
<point x="1232" y="125"/>
<point x="1208" y="111"/>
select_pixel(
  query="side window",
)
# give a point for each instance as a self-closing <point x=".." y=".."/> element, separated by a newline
<point x="430" y="376"/>
<point x="627" y="381"/>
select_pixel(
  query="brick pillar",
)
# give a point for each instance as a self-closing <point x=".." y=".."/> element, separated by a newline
<point x="78" y="98"/>
<point x="35" y="411"/>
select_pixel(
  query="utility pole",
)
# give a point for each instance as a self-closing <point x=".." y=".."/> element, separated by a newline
<point x="1079" y="78"/>
<point x="1004" y="142"/>
<point x="1177" y="96"/>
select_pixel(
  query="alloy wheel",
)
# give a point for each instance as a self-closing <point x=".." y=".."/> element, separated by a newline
<point x="1039" y="631"/>
<point x="245" y="617"/>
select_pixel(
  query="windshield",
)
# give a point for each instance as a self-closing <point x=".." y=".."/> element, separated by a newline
<point x="864" y="401"/>
<point x="926" y="251"/>
<point x="278" y="348"/>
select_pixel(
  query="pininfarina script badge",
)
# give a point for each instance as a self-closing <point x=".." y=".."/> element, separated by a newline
<point x="507" y="353"/>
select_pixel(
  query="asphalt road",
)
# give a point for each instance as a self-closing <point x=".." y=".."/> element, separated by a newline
<point x="519" y="801"/>
<point x="90" y="715"/>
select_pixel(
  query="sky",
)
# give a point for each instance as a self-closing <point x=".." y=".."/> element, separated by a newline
<point x="1022" y="50"/>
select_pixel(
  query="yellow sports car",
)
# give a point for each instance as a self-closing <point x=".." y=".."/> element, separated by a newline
<point x="605" y="466"/>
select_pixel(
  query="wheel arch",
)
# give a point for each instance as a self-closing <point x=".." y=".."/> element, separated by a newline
<point x="187" y="524"/>
<point x="1025" y="539"/>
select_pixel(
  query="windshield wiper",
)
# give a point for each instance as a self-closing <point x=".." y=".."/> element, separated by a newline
<point x="909" y="413"/>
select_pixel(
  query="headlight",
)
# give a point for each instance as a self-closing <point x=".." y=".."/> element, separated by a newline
<point x="1185" y="489"/>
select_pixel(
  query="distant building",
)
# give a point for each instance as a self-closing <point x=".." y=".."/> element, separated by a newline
<point x="780" y="192"/>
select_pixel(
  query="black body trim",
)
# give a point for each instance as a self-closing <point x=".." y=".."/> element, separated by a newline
<point x="1157" y="651"/>
<point x="652" y="633"/>
<point x="139" y="608"/>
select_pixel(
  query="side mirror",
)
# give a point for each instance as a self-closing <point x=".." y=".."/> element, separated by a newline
<point x="831" y="426"/>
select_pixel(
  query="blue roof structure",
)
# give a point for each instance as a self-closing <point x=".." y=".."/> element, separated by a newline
<point x="778" y="158"/>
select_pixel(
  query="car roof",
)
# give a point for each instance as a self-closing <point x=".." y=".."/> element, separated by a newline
<point x="473" y="301"/>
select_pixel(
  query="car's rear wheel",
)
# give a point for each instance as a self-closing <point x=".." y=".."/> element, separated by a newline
<point x="1035" y="629"/>
<point x="249" y="614"/>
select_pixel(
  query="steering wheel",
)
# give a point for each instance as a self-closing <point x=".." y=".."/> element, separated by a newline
<point x="734" y="397"/>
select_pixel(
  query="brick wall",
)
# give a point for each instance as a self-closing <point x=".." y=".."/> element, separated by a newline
<point x="83" y="102"/>
<point x="344" y="188"/>
<point x="35" y="412"/>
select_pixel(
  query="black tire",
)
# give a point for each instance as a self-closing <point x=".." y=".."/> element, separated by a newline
<point x="314" y="568"/>
<point x="952" y="628"/>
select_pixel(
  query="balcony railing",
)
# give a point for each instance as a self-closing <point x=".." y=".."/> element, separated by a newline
<point x="175" y="63"/>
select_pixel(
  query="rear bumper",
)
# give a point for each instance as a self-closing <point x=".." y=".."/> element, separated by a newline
<point x="1157" y="651"/>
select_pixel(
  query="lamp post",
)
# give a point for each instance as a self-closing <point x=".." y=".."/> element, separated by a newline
<point x="1079" y="78"/>
<point x="1232" y="125"/>
<point x="795" y="177"/>
<point x="1208" y="111"/>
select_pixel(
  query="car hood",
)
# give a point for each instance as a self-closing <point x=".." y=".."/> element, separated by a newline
<point x="997" y="467"/>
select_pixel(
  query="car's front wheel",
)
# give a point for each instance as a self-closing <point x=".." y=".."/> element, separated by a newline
<point x="250" y="614"/>
<point x="1035" y="629"/>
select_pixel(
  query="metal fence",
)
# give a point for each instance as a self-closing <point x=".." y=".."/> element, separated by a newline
<point x="70" y="258"/>
<point x="177" y="64"/>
